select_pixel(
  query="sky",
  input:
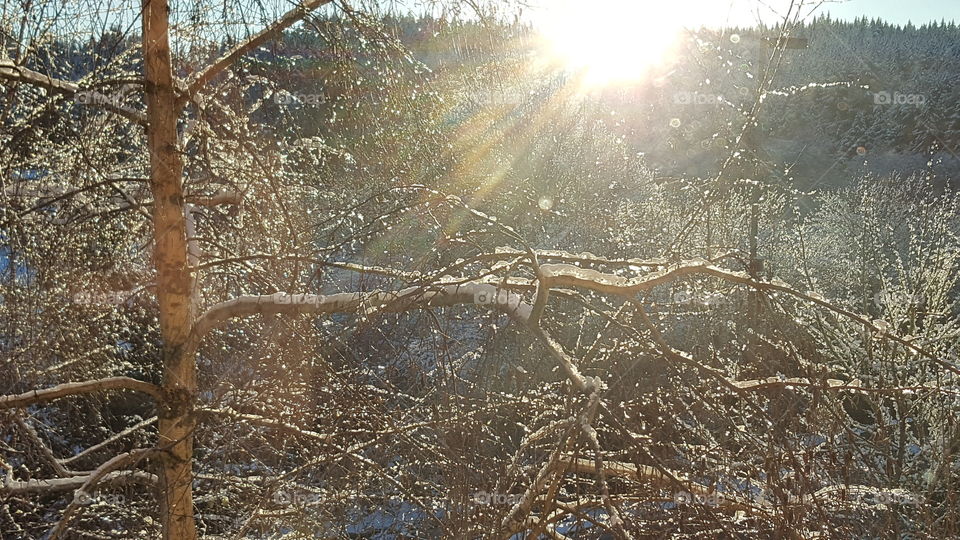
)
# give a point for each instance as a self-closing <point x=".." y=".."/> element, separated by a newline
<point x="692" y="13"/>
<point x="898" y="11"/>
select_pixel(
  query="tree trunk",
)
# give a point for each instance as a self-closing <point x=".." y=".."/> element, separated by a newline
<point x="176" y="420"/>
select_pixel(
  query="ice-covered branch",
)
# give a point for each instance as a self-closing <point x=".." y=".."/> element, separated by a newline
<point x="408" y="299"/>
<point x="108" y="441"/>
<point x="221" y="197"/>
<point x="45" y="450"/>
<point x="11" y="71"/>
<point x="70" y="389"/>
<point x="836" y="384"/>
<point x="656" y="477"/>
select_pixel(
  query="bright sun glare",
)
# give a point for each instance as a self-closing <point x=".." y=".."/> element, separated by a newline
<point x="610" y="41"/>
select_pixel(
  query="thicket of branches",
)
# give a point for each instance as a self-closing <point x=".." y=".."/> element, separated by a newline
<point x="422" y="313"/>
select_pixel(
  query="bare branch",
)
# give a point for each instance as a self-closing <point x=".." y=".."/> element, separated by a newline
<point x="113" y="438"/>
<point x="72" y="389"/>
<point x="291" y="17"/>
<point x="96" y="476"/>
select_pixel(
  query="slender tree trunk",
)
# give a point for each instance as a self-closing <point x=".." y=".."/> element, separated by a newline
<point x="176" y="420"/>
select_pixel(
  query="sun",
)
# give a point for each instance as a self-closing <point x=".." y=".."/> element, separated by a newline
<point x="611" y="41"/>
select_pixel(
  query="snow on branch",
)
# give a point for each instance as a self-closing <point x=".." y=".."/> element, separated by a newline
<point x="585" y="257"/>
<point x="11" y="71"/>
<point x="660" y="478"/>
<point x="221" y="197"/>
<point x="25" y="487"/>
<point x="108" y="441"/>
<point x="574" y="276"/>
<point x="836" y="384"/>
<point x="761" y="506"/>
<point x="408" y="299"/>
<point x="74" y="388"/>
<point x="268" y="422"/>
<point x="411" y="298"/>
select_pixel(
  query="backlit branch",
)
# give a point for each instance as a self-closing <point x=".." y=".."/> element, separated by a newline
<point x="290" y="18"/>
<point x="408" y="299"/>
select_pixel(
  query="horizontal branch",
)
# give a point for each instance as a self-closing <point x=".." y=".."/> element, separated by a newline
<point x="725" y="500"/>
<point x="70" y="389"/>
<point x="835" y="384"/>
<point x="267" y="422"/>
<point x="652" y="475"/>
<point x="572" y="276"/>
<point x="221" y="197"/>
<point x="581" y="258"/>
<point x="409" y="299"/>
<point x="24" y="487"/>
<point x="12" y="72"/>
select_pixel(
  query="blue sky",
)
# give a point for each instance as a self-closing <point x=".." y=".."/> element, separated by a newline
<point x="898" y="11"/>
<point x="894" y="11"/>
<point x="692" y="13"/>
